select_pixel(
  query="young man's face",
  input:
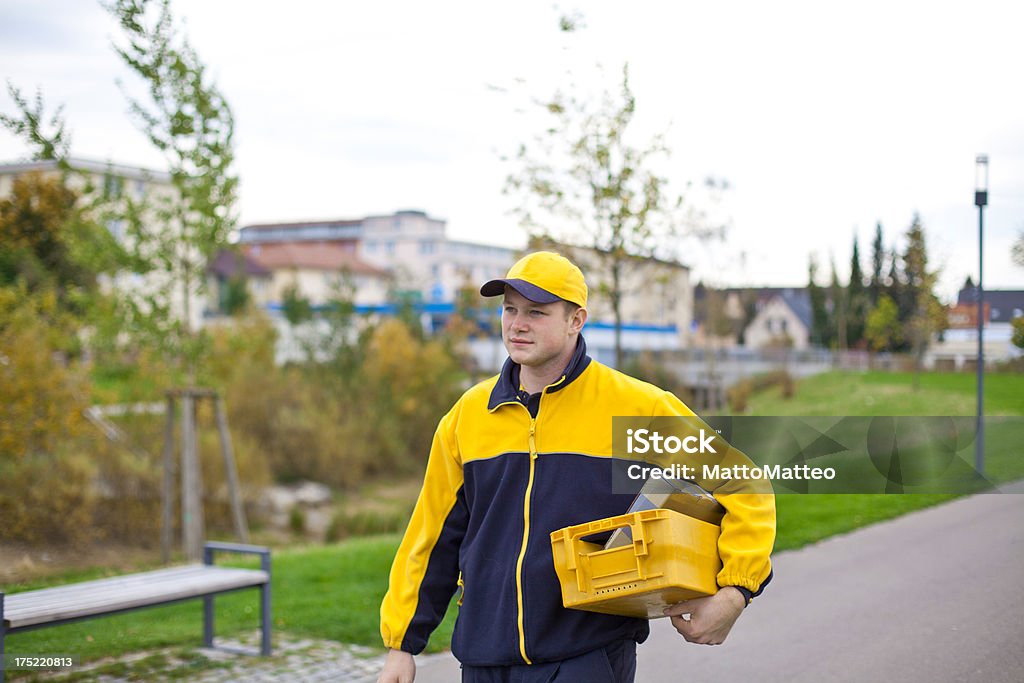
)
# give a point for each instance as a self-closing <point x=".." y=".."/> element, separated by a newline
<point x="537" y="335"/>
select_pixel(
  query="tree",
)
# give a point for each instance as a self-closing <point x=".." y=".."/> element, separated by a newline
<point x="297" y="308"/>
<point x="883" y="325"/>
<point x="819" y="312"/>
<point x="189" y="121"/>
<point x="927" y="314"/>
<point x="169" y="237"/>
<point x="837" y="294"/>
<point x="1018" y="332"/>
<point x="1018" y="250"/>
<point x="585" y="172"/>
<point x="48" y="242"/>
<point x="877" y="265"/>
<point x="50" y="139"/>
<point x="857" y="298"/>
<point x="894" y="288"/>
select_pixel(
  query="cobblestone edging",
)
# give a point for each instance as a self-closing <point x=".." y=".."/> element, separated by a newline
<point x="303" y="660"/>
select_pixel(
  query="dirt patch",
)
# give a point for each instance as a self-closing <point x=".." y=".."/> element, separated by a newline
<point x="21" y="563"/>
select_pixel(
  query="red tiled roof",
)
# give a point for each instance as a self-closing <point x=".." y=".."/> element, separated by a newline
<point x="310" y="255"/>
<point x="228" y="263"/>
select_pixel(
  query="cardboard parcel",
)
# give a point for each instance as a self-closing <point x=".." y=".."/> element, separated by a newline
<point x="677" y="495"/>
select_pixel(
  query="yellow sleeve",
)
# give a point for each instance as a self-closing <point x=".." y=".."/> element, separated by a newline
<point x="425" y="570"/>
<point x="748" y="527"/>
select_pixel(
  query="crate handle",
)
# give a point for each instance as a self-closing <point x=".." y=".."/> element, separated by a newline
<point x="636" y="528"/>
<point x="580" y="552"/>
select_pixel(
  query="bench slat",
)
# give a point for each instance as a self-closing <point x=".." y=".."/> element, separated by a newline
<point x="110" y="584"/>
<point x="117" y="593"/>
<point x="89" y="593"/>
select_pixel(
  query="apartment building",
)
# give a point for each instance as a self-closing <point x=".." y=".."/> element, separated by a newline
<point x="407" y="256"/>
<point x="404" y="256"/>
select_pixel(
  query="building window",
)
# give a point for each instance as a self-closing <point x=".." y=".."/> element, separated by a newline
<point x="140" y="189"/>
<point x="389" y="248"/>
<point x="428" y="247"/>
<point x="112" y="186"/>
<point x="116" y="228"/>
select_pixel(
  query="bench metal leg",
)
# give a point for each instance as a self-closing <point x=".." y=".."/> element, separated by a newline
<point x="208" y="621"/>
<point x="266" y="617"/>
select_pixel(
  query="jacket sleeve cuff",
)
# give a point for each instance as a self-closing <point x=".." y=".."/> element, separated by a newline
<point x="748" y="594"/>
<point x="397" y="645"/>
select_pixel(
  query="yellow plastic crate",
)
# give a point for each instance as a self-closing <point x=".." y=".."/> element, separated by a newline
<point x="672" y="558"/>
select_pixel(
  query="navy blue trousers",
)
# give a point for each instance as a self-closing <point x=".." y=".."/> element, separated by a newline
<point x="615" y="663"/>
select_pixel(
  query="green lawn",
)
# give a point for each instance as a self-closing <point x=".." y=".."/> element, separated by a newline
<point x="803" y="519"/>
<point x="884" y="393"/>
<point x="334" y="591"/>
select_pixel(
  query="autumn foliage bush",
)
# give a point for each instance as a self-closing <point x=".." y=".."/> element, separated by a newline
<point x="739" y="394"/>
<point x="368" y="411"/>
<point x="371" y="413"/>
<point x="45" y="476"/>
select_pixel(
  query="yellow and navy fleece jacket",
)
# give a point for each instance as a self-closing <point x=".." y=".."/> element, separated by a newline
<point x="505" y="470"/>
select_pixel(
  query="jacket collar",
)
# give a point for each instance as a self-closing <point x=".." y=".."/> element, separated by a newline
<point x="506" y="389"/>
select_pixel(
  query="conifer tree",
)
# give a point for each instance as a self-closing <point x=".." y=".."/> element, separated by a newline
<point x="927" y="316"/>
<point x="837" y="294"/>
<point x="858" y="300"/>
<point x="875" y="286"/>
<point x="819" y="312"/>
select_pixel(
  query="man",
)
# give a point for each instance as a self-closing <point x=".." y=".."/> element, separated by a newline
<point x="521" y="455"/>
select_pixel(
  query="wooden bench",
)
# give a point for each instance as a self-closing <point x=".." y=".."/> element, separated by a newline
<point x="65" y="604"/>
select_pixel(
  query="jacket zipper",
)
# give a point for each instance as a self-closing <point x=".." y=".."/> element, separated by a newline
<point x="526" y="537"/>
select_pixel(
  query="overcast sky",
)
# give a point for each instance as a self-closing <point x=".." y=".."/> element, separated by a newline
<point x="824" y="117"/>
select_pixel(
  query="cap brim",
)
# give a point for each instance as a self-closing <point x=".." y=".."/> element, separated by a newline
<point x="530" y="291"/>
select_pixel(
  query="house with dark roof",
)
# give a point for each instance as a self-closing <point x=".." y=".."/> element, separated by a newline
<point x="231" y="265"/>
<point x="783" y="319"/>
<point x="754" y="317"/>
<point x="957" y="347"/>
<point x="1001" y="305"/>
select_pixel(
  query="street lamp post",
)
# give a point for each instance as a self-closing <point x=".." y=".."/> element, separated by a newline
<point x="980" y="200"/>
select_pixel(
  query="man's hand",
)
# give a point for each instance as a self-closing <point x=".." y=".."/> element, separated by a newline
<point x="399" y="667"/>
<point x="711" y="618"/>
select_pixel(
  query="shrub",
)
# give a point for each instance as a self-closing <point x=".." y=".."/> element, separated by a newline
<point x="297" y="521"/>
<point x="47" y="497"/>
<point x="367" y="522"/>
<point x="739" y="394"/>
<point x="46" y="490"/>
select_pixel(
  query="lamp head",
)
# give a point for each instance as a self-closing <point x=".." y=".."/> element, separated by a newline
<point x="981" y="180"/>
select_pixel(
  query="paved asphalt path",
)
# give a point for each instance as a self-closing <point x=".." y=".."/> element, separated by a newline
<point x="930" y="597"/>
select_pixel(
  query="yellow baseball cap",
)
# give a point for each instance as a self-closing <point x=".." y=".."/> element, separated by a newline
<point x="542" y="277"/>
